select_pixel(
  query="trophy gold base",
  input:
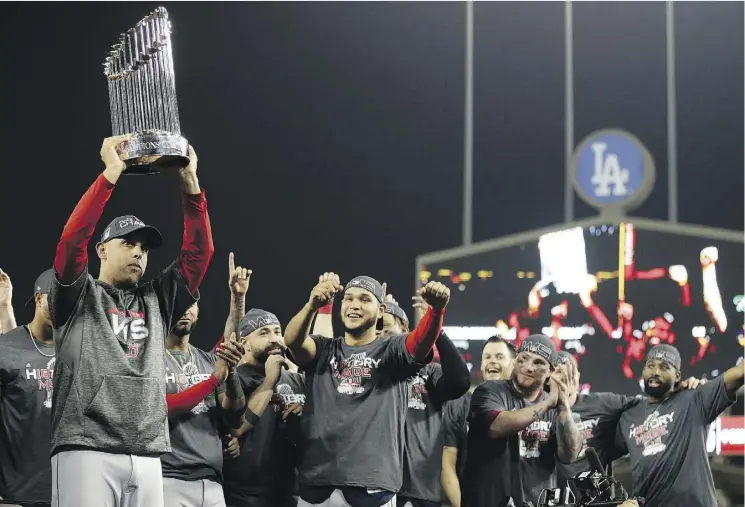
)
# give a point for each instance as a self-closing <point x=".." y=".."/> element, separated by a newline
<point x="151" y="151"/>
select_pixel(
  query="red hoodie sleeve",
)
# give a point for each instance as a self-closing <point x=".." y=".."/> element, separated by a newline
<point x="197" y="246"/>
<point x="186" y="400"/>
<point x="420" y="341"/>
<point x="72" y="250"/>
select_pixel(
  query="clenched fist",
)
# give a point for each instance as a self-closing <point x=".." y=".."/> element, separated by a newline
<point x="435" y="295"/>
<point x="324" y="291"/>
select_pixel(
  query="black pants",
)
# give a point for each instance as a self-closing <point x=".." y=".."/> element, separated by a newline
<point x="261" y="501"/>
<point x="415" y="502"/>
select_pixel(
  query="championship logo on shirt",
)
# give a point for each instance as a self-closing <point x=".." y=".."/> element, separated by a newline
<point x="43" y="376"/>
<point x="586" y="431"/>
<point x="284" y="396"/>
<point x="417" y="392"/>
<point x="130" y="327"/>
<point x="185" y="379"/>
<point x="532" y="437"/>
<point x="652" y="434"/>
<point x="353" y="372"/>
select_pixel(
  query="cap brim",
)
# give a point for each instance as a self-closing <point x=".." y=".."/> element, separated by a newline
<point x="153" y="239"/>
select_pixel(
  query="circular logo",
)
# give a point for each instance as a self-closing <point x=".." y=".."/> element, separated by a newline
<point x="613" y="170"/>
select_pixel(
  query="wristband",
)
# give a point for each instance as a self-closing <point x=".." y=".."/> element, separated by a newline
<point x="252" y="418"/>
<point x="328" y="309"/>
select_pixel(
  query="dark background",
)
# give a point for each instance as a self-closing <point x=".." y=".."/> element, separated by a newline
<point x="330" y="136"/>
<point x="483" y="302"/>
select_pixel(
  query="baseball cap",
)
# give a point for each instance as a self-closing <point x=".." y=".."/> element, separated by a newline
<point x="43" y="284"/>
<point x="367" y="283"/>
<point x="127" y="224"/>
<point x="396" y="311"/>
<point x="541" y="345"/>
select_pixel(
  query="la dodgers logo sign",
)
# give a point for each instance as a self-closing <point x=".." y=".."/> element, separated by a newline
<point x="613" y="170"/>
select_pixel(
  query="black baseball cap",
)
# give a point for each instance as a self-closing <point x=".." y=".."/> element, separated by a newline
<point x="43" y="284"/>
<point x="127" y="224"/>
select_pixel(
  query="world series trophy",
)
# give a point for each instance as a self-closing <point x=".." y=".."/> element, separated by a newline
<point x="142" y="96"/>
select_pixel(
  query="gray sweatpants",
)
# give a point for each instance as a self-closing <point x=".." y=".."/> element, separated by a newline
<point x="204" y="493"/>
<point x="337" y="500"/>
<point x="99" y="479"/>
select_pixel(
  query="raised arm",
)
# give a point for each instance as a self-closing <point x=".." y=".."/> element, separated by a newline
<point x="71" y="257"/>
<point x="72" y="250"/>
<point x="197" y="247"/>
<point x="297" y="332"/>
<point x="7" y="316"/>
<point x="455" y="379"/>
<point x="239" y="280"/>
<point x="733" y="379"/>
<point x="419" y="342"/>
<point x="568" y="436"/>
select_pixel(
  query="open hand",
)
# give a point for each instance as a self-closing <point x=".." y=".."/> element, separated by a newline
<point x="692" y="383"/>
<point x="420" y="306"/>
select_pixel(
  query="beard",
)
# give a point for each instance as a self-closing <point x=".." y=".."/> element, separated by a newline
<point x="658" y="390"/>
<point x="182" y="329"/>
<point x="261" y="356"/>
<point x="361" y="328"/>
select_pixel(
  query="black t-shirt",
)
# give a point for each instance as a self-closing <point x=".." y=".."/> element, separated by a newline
<point x="196" y="446"/>
<point x="455" y="429"/>
<point x="269" y="450"/>
<point x="667" y="445"/>
<point x="519" y="465"/>
<point x="424" y="438"/>
<point x="25" y="416"/>
<point x="355" y="413"/>
<point x="599" y="414"/>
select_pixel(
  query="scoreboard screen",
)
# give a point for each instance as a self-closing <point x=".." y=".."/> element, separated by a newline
<point x="605" y="293"/>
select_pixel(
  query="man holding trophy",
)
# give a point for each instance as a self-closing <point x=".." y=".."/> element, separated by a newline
<point x="109" y="420"/>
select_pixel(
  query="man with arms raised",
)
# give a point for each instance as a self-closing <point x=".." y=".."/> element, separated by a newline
<point x="26" y="366"/>
<point x="665" y="433"/>
<point x="517" y="431"/>
<point x="109" y="422"/>
<point x="357" y="385"/>
<point x="497" y="360"/>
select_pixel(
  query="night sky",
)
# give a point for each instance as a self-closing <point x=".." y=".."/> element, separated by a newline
<point x="330" y="135"/>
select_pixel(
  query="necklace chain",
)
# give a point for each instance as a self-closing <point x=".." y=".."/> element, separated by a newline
<point x="191" y="360"/>
<point x="33" y="340"/>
